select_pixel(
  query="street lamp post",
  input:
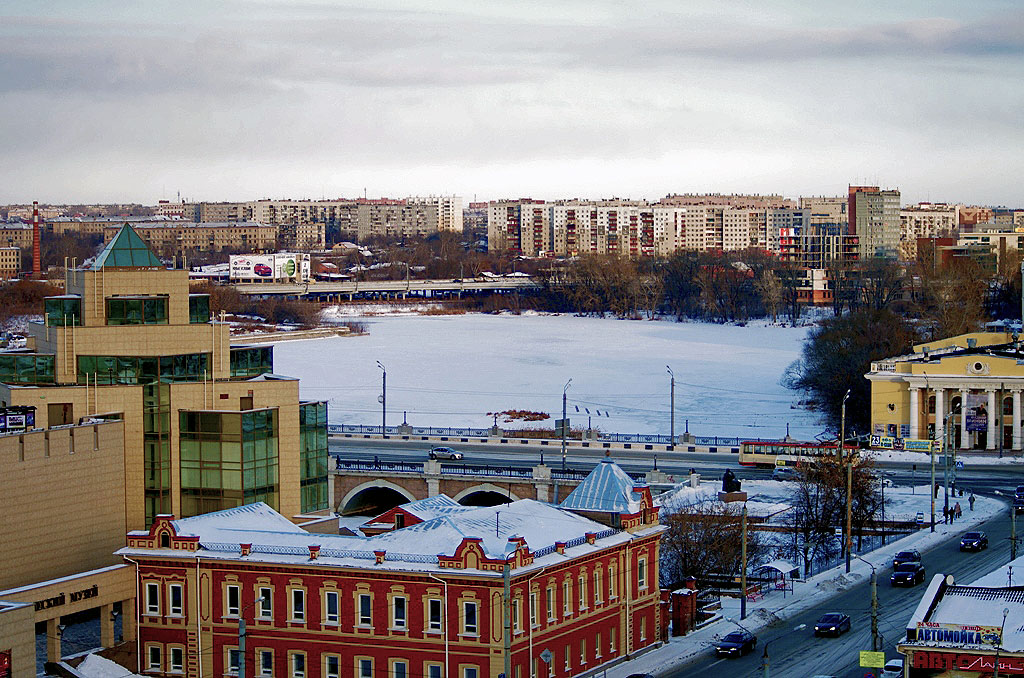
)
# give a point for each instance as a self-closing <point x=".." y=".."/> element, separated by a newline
<point x="564" y="425"/>
<point x="1006" y="611"/>
<point x="672" y="407"/>
<point x="383" y="398"/>
<point x="876" y="641"/>
<point x="765" y="660"/>
<point x="841" y="452"/>
<point x="241" y="636"/>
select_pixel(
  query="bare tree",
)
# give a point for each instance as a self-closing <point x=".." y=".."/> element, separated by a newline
<point x="770" y="289"/>
<point x="704" y="538"/>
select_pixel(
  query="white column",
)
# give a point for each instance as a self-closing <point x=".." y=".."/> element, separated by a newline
<point x="965" y="437"/>
<point x="915" y="411"/>
<point x="940" y="412"/>
<point x="990" y="442"/>
<point x="1016" y="419"/>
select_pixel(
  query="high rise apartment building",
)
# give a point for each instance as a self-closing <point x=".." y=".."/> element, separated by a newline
<point x="926" y="220"/>
<point x="875" y="220"/>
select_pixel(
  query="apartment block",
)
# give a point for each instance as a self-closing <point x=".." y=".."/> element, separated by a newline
<point x="10" y="262"/>
<point x="169" y="239"/>
<point x="875" y="220"/>
<point x="518" y="226"/>
<point x="926" y="220"/>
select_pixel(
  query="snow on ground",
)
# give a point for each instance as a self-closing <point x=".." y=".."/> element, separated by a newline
<point x="967" y="457"/>
<point x="95" y="666"/>
<point x="452" y="370"/>
<point x="775" y="608"/>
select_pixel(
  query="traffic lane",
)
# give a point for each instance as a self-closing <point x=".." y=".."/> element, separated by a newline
<point x="799" y="654"/>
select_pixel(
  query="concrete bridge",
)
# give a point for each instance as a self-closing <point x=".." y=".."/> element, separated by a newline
<point x="390" y="289"/>
<point x="370" y="488"/>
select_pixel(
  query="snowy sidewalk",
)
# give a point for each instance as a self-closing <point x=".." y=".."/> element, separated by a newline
<point x="806" y="594"/>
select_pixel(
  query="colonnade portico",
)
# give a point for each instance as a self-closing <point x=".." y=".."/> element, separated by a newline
<point x="932" y="400"/>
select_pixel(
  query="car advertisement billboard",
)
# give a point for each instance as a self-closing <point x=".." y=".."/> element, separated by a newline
<point x="281" y="266"/>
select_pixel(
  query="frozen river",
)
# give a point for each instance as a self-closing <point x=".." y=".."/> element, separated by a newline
<point x="453" y="370"/>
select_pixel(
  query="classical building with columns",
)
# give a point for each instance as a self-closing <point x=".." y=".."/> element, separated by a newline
<point x="970" y="383"/>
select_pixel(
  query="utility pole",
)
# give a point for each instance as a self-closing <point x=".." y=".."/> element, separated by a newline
<point x="383" y="398"/>
<point x="840" y="455"/>
<point x="931" y="485"/>
<point x="849" y="511"/>
<point x="241" y="646"/>
<point x="743" y="564"/>
<point x="565" y="425"/>
<point x="506" y="609"/>
<point x="672" y="407"/>
<point x="1013" y="533"/>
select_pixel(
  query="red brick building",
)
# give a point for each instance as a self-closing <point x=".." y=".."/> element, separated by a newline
<point x="422" y="601"/>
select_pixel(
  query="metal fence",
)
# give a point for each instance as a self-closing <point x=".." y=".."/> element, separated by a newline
<point x="477" y="470"/>
<point x="429" y="431"/>
<point x="391" y="466"/>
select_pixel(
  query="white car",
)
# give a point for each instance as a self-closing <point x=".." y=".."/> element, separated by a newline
<point x="444" y="453"/>
<point x="893" y="669"/>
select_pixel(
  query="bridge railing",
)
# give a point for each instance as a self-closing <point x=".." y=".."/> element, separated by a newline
<point x="392" y="466"/>
<point x="477" y="470"/>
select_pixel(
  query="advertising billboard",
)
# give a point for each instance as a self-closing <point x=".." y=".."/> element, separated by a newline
<point x="959" y="634"/>
<point x="284" y="267"/>
<point x="977" y="412"/>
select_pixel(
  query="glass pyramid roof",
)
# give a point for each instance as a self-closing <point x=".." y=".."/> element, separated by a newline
<point x="127" y="250"/>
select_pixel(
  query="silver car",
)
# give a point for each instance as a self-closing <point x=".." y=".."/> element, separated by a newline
<point x="444" y="453"/>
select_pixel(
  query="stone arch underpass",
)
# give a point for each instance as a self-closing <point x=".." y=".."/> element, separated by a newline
<point x="485" y="494"/>
<point x="373" y="498"/>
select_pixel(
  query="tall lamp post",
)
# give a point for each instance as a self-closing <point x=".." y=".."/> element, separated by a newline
<point x="383" y="398"/>
<point x="876" y="641"/>
<point x="241" y="636"/>
<point x="841" y="451"/>
<point x="672" y="407"/>
<point x="564" y="425"/>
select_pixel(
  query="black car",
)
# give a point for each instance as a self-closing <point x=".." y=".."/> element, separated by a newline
<point x="973" y="541"/>
<point x="833" y="623"/>
<point x="906" y="557"/>
<point x="1018" y="506"/>
<point x="1019" y="493"/>
<point x="907" y="574"/>
<point x="736" y="644"/>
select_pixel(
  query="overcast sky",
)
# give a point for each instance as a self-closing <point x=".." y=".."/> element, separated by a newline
<point x="114" y="101"/>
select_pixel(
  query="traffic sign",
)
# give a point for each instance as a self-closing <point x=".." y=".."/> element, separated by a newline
<point x="872" y="660"/>
<point x="547" y="656"/>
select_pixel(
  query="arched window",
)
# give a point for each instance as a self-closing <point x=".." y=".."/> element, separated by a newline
<point x="931" y="404"/>
<point x="1008" y="405"/>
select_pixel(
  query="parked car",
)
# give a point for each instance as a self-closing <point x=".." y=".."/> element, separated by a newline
<point x="833" y="623"/>
<point x="893" y="669"/>
<point x="1018" y="506"/>
<point x="444" y="453"/>
<point x="736" y="644"/>
<point x="907" y="574"/>
<point x="785" y="473"/>
<point x="906" y="557"/>
<point x="973" y="541"/>
<point x="1019" y="492"/>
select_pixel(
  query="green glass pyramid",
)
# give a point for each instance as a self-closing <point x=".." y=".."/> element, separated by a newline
<point x="127" y="250"/>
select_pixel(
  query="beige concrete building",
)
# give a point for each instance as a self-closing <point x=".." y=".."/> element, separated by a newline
<point x="827" y="209"/>
<point x="16" y="236"/>
<point x="997" y="239"/>
<point x="10" y="262"/>
<point x="926" y="220"/>
<point x="876" y="223"/>
<point x="176" y="238"/>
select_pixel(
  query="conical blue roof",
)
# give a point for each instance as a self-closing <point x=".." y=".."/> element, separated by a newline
<point x="127" y="250"/>
<point x="608" y="489"/>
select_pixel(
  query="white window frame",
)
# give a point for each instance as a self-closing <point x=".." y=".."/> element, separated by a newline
<point x="179" y="609"/>
<point x="157" y="665"/>
<point x="362" y="663"/>
<point x="328" y="673"/>
<point x="298" y="664"/>
<point x="533" y="610"/>
<point x="232" y="667"/>
<point x="583" y="651"/>
<point x="264" y="671"/>
<point x="468" y="630"/>
<point x="613" y="583"/>
<point x="581" y="582"/>
<point x="176" y="666"/>
<point x="598" y="583"/>
<point x="470" y="672"/>
<point x="229" y="609"/>
<point x="297" y="612"/>
<point x="365" y="620"/>
<point x="266" y="608"/>
<point x="432" y="668"/>
<point x="597" y="645"/>
<point x="399" y="623"/>
<point x="568" y="658"/>
<point x="152" y="598"/>
<point x="332" y="617"/>
<point x="438" y="623"/>
<point x="516" y="625"/>
<point x="566" y="599"/>
<point x="641" y="574"/>
<point x="405" y="668"/>
<point x="549" y="600"/>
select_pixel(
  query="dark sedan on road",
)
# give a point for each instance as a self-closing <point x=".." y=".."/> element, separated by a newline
<point x="736" y="644"/>
<point x="907" y="574"/>
<point x="973" y="541"/>
<point x="832" y="624"/>
<point x="906" y="557"/>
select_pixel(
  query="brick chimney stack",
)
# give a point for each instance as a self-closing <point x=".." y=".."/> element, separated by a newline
<point x="36" y="266"/>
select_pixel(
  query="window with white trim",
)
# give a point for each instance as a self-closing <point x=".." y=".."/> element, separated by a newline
<point x="399" y="669"/>
<point x="470" y="672"/>
<point x="299" y="665"/>
<point x="266" y="607"/>
<point x="434" y="612"/>
<point x="568" y="657"/>
<point x="177" y="660"/>
<point x="515" y="616"/>
<point x="155" y="658"/>
<point x="641" y="574"/>
<point x="583" y="651"/>
<point x="176" y="602"/>
<point x="469" y="618"/>
<point x="434" y="670"/>
<point x="566" y="599"/>
<point x="598" y="575"/>
<point x="231" y="600"/>
<point x="365" y="610"/>
<point x="533" y="609"/>
<point x="152" y="598"/>
<point x="582" y="583"/>
<point x="643" y="629"/>
<point x="597" y="646"/>
<point x="332" y="666"/>
<point x="234" y="659"/>
<point x="298" y="605"/>
<point x="550" y="600"/>
<point x="266" y="662"/>
<point x="399" y="605"/>
<point x="331" y="607"/>
<point x="613" y="583"/>
<point x="611" y="640"/>
<point x="365" y="668"/>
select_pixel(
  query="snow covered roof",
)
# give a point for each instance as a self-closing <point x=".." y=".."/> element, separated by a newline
<point x="432" y="507"/>
<point x="95" y="666"/>
<point x="608" y="489"/>
<point x="276" y="539"/>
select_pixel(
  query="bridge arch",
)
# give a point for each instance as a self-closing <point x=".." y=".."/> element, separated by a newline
<point x="373" y="498"/>
<point x="485" y="494"/>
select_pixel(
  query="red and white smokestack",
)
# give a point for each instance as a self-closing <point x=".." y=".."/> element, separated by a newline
<point x="36" y="265"/>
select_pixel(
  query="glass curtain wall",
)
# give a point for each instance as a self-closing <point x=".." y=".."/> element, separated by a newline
<point x="313" y="456"/>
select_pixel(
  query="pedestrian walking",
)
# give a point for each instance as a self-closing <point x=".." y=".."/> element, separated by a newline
<point x="945" y="515"/>
<point x="970" y="500"/>
<point x="936" y="489"/>
<point x="959" y="511"/>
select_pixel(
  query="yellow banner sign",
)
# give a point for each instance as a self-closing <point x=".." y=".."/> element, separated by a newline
<point x="872" y="660"/>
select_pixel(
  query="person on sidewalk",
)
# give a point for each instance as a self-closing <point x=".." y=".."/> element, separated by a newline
<point x="970" y="500"/>
<point x="945" y="515"/>
<point x="959" y="511"/>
